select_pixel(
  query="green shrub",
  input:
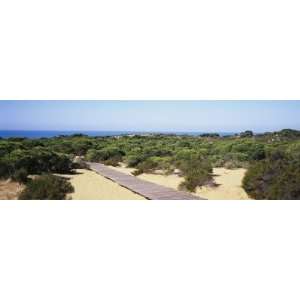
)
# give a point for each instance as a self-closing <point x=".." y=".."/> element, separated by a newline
<point x="81" y="147"/>
<point x="20" y="176"/>
<point x="38" y="160"/>
<point x="258" y="153"/>
<point x="5" y="169"/>
<point x="276" y="177"/>
<point x="294" y="150"/>
<point x="229" y="160"/>
<point x="134" y="159"/>
<point x="193" y="156"/>
<point x="137" y="172"/>
<point x="110" y="154"/>
<point x="112" y="162"/>
<point x="148" y="165"/>
<point x="47" y="187"/>
<point x="184" y="155"/>
<point x="196" y="170"/>
<point x="194" y="178"/>
<point x="91" y="155"/>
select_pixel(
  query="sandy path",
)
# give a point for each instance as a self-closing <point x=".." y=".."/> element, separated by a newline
<point x="89" y="185"/>
<point x="229" y="183"/>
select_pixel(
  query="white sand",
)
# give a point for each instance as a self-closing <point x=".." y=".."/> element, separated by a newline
<point x="229" y="183"/>
<point x="89" y="185"/>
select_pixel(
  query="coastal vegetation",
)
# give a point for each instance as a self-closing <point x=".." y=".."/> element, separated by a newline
<point x="272" y="159"/>
<point x="46" y="187"/>
<point x="276" y="177"/>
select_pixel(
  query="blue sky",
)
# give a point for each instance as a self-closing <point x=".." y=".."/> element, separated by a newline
<point x="208" y="116"/>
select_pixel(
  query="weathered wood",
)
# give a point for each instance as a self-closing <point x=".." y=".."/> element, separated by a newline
<point x="149" y="190"/>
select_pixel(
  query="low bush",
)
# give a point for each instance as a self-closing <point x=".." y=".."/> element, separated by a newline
<point x="195" y="178"/>
<point x="47" y="187"/>
<point x="20" y="176"/>
<point x="134" y="159"/>
<point x="38" y="161"/>
<point x="112" y="162"/>
<point x="148" y="165"/>
<point x="137" y="172"/>
<point x="109" y="155"/>
<point x="5" y="169"/>
<point x="235" y="164"/>
<point x="276" y="177"/>
<point x="197" y="171"/>
<point x="258" y="153"/>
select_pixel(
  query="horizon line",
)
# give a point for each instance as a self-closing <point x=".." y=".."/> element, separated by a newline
<point x="149" y="131"/>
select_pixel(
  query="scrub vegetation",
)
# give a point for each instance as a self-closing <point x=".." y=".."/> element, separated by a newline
<point x="272" y="159"/>
<point x="47" y="187"/>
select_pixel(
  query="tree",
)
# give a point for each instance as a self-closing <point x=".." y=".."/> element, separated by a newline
<point x="247" y="133"/>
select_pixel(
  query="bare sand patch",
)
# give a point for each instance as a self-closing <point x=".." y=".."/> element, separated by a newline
<point x="229" y="183"/>
<point x="89" y="185"/>
<point x="10" y="190"/>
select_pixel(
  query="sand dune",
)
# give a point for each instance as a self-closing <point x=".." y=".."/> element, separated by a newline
<point x="229" y="183"/>
<point x="89" y="185"/>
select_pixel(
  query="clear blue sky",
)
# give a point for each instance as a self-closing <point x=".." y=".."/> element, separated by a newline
<point x="208" y="116"/>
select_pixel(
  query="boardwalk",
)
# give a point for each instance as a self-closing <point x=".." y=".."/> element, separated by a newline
<point x="144" y="188"/>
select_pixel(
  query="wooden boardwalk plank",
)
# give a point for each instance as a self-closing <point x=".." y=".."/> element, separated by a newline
<point x="149" y="190"/>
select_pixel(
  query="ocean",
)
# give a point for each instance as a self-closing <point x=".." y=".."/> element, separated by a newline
<point x="36" y="134"/>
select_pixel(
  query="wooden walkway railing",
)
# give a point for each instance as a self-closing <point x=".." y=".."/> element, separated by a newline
<point x="144" y="188"/>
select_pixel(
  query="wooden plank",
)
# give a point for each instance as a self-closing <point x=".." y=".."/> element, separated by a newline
<point x="149" y="190"/>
